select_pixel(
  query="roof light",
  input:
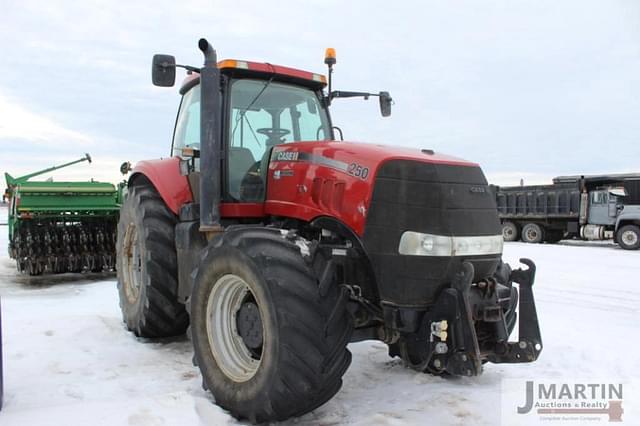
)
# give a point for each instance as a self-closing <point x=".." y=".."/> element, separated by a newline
<point x="232" y="63"/>
<point x="319" y="77"/>
<point x="330" y="56"/>
<point x="228" y="63"/>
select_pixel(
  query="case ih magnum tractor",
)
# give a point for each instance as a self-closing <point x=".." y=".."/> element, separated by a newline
<point x="277" y="245"/>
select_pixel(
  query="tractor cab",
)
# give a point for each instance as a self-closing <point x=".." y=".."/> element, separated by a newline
<point x="263" y="105"/>
<point x="249" y="109"/>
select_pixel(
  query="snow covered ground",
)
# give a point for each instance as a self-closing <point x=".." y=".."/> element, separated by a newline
<point x="70" y="361"/>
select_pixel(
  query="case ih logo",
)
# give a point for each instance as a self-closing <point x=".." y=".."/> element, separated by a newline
<point x="287" y="156"/>
<point x="564" y="402"/>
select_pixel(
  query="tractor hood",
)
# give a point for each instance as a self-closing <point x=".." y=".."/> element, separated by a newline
<point x="418" y="214"/>
<point x="343" y="154"/>
<point x="310" y="179"/>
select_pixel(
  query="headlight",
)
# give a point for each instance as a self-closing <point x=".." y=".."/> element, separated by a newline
<point x="419" y="244"/>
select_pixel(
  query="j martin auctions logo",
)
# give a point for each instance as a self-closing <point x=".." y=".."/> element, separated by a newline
<point x="573" y="401"/>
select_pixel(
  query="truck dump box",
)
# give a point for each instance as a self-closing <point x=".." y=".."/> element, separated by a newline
<point x="539" y="201"/>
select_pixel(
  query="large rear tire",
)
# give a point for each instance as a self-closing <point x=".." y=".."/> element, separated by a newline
<point x="147" y="266"/>
<point x="269" y="337"/>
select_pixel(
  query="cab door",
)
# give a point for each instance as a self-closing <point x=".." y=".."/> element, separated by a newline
<point x="599" y="208"/>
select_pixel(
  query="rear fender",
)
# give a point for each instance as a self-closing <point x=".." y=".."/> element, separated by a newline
<point x="164" y="174"/>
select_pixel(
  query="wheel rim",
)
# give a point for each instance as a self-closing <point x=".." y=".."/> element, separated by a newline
<point x="630" y="238"/>
<point x="532" y="234"/>
<point x="132" y="264"/>
<point x="507" y="232"/>
<point x="229" y="295"/>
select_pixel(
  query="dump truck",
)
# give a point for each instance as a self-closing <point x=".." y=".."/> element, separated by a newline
<point x="589" y="208"/>
<point x="57" y="227"/>
<point x="276" y="244"/>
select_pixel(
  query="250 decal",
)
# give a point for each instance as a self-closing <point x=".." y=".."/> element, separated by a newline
<point x="358" y="171"/>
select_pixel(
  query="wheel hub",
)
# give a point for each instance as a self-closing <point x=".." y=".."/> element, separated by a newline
<point x="630" y="238"/>
<point x="249" y="325"/>
<point x="234" y="328"/>
<point x="132" y="264"/>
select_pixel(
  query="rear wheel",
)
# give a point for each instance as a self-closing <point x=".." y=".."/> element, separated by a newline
<point x="147" y="266"/>
<point x="629" y="237"/>
<point x="269" y="339"/>
<point x="509" y="231"/>
<point x="532" y="233"/>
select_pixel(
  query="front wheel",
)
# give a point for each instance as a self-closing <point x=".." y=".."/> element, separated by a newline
<point x="147" y="266"/>
<point x="270" y="344"/>
<point x="629" y="237"/>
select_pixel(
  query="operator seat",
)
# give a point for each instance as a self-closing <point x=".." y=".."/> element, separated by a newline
<point x="240" y="161"/>
<point x="253" y="185"/>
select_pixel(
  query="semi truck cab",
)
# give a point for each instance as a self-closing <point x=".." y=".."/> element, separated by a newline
<point x="605" y="205"/>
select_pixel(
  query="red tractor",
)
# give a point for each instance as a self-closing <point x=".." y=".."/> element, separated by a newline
<point x="277" y="245"/>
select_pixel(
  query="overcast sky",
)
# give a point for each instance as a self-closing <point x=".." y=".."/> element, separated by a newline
<point x="528" y="89"/>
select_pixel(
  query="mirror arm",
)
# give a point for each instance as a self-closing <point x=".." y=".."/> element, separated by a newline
<point x="343" y="94"/>
<point x="186" y="67"/>
<point x="189" y="68"/>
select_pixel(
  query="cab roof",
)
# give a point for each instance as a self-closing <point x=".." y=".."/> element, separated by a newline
<point x="240" y="68"/>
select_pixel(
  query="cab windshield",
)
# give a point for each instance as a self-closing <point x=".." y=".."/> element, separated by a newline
<point x="264" y="114"/>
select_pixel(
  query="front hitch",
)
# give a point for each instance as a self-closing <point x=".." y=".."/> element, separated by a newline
<point x="529" y="346"/>
<point x="479" y="303"/>
<point x="469" y="324"/>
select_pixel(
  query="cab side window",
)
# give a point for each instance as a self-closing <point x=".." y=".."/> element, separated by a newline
<point x="599" y="197"/>
<point x="187" y="132"/>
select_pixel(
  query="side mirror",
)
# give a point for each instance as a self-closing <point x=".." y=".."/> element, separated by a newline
<point x="385" y="104"/>
<point x="125" y="167"/>
<point x="163" y="70"/>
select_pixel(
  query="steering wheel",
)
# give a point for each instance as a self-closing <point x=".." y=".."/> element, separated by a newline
<point x="274" y="134"/>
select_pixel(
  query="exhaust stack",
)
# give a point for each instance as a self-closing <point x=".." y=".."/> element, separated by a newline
<point x="210" y="141"/>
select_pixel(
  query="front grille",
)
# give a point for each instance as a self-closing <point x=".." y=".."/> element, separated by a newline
<point x="429" y="198"/>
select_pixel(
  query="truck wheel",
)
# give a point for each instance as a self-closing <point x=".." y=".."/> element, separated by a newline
<point x="629" y="237"/>
<point x="509" y="231"/>
<point x="532" y="233"/>
<point x="147" y="266"/>
<point x="269" y="337"/>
